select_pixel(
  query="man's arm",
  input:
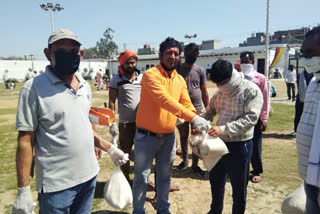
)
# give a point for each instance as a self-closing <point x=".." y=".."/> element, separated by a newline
<point x="112" y="98"/>
<point x="265" y="107"/>
<point x="252" y="110"/>
<point x="204" y="95"/>
<point x="99" y="142"/>
<point x="116" y="155"/>
<point x="24" y="157"/>
<point x="159" y="94"/>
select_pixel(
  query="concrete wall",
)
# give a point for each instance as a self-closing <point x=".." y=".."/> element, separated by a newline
<point x="17" y="69"/>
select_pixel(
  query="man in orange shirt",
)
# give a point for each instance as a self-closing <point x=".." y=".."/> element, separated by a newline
<point x="164" y="97"/>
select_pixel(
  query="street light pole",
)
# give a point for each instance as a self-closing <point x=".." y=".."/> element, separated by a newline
<point x="52" y="26"/>
<point x="266" y="64"/>
<point x="52" y="8"/>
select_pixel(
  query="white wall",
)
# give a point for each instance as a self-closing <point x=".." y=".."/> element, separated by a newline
<point x="17" y="69"/>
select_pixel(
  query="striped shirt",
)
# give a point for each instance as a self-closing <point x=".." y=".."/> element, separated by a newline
<point x="306" y="126"/>
<point x="238" y="113"/>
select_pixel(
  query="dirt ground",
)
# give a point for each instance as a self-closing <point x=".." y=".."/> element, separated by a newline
<point x="194" y="196"/>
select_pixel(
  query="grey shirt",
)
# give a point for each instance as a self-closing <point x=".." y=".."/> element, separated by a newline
<point x="64" y="142"/>
<point x="128" y="96"/>
<point x="195" y="77"/>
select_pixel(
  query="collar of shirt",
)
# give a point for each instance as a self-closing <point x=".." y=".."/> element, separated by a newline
<point x="55" y="80"/>
<point x="165" y="73"/>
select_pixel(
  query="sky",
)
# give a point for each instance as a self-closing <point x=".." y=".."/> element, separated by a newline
<point x="25" y="27"/>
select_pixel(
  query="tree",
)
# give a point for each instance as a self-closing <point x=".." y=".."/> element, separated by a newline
<point x="105" y="46"/>
<point x="90" y="53"/>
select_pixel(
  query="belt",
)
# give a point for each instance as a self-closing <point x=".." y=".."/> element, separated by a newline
<point x="149" y="133"/>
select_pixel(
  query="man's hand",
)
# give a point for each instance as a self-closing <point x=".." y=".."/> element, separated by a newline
<point x="117" y="156"/>
<point x="263" y="125"/>
<point x="98" y="153"/>
<point x="215" y="131"/>
<point x="113" y="130"/>
<point x="201" y="124"/>
<point x="24" y="201"/>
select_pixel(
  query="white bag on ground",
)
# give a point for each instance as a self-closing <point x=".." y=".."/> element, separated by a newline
<point x="117" y="191"/>
<point x="295" y="203"/>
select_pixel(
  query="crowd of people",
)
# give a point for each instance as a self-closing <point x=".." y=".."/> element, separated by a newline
<point x="56" y="133"/>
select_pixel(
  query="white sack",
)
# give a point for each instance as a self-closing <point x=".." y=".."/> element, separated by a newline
<point x="211" y="150"/>
<point x="117" y="191"/>
<point x="295" y="203"/>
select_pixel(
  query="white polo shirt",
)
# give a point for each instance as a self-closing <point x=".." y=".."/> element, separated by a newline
<point x="64" y="142"/>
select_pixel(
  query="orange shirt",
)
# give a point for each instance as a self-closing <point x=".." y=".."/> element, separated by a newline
<point x="162" y="100"/>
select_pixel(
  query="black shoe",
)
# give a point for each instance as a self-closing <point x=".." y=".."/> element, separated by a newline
<point x="197" y="170"/>
<point x="183" y="165"/>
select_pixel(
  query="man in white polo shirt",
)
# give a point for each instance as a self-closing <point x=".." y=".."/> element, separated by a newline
<point x="53" y="117"/>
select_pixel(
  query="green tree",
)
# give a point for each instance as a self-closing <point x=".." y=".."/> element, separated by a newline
<point x="90" y="53"/>
<point x="105" y="46"/>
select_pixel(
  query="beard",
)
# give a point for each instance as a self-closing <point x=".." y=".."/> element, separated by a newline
<point x="168" y="69"/>
<point x="129" y="71"/>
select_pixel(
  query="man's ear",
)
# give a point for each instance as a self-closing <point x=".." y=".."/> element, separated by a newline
<point x="81" y="54"/>
<point x="47" y="53"/>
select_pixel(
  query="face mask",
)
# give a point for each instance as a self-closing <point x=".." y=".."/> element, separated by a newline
<point x="66" y="63"/>
<point x="317" y="75"/>
<point x="312" y="64"/>
<point x="191" y="59"/>
<point x="246" y="68"/>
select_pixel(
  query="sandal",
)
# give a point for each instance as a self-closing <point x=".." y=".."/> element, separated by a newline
<point x="174" y="188"/>
<point x="256" y="179"/>
<point x="150" y="184"/>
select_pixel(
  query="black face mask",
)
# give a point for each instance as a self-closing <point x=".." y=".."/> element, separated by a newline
<point x="191" y="59"/>
<point x="67" y="63"/>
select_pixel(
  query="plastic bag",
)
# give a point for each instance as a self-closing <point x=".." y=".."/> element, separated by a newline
<point x="195" y="142"/>
<point x="295" y="203"/>
<point x="117" y="191"/>
<point x="211" y="150"/>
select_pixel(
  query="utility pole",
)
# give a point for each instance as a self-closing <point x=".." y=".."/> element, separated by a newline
<point x="52" y="8"/>
<point x="266" y="64"/>
<point x="31" y="55"/>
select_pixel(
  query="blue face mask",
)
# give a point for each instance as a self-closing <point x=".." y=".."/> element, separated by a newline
<point x="67" y="63"/>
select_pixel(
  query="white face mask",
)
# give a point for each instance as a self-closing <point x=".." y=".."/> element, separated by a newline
<point x="312" y="64"/>
<point x="246" y="68"/>
<point x="317" y="75"/>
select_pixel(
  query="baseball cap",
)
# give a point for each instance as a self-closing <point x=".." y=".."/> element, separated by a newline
<point x="62" y="34"/>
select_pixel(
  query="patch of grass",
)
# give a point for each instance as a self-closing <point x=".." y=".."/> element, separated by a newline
<point x="5" y="111"/>
<point x="8" y="145"/>
<point x="281" y="118"/>
<point x="280" y="164"/>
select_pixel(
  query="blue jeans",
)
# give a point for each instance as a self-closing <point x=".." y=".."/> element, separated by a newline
<point x="75" y="200"/>
<point x="236" y="165"/>
<point x="256" y="160"/>
<point x="146" y="148"/>
<point x="312" y="193"/>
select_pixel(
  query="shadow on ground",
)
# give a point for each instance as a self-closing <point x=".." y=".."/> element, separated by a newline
<point x="108" y="212"/>
<point x="280" y="136"/>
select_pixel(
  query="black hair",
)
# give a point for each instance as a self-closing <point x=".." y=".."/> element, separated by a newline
<point x="191" y="47"/>
<point x="247" y="53"/>
<point x="221" y="70"/>
<point x="170" y="43"/>
<point x="312" y="33"/>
